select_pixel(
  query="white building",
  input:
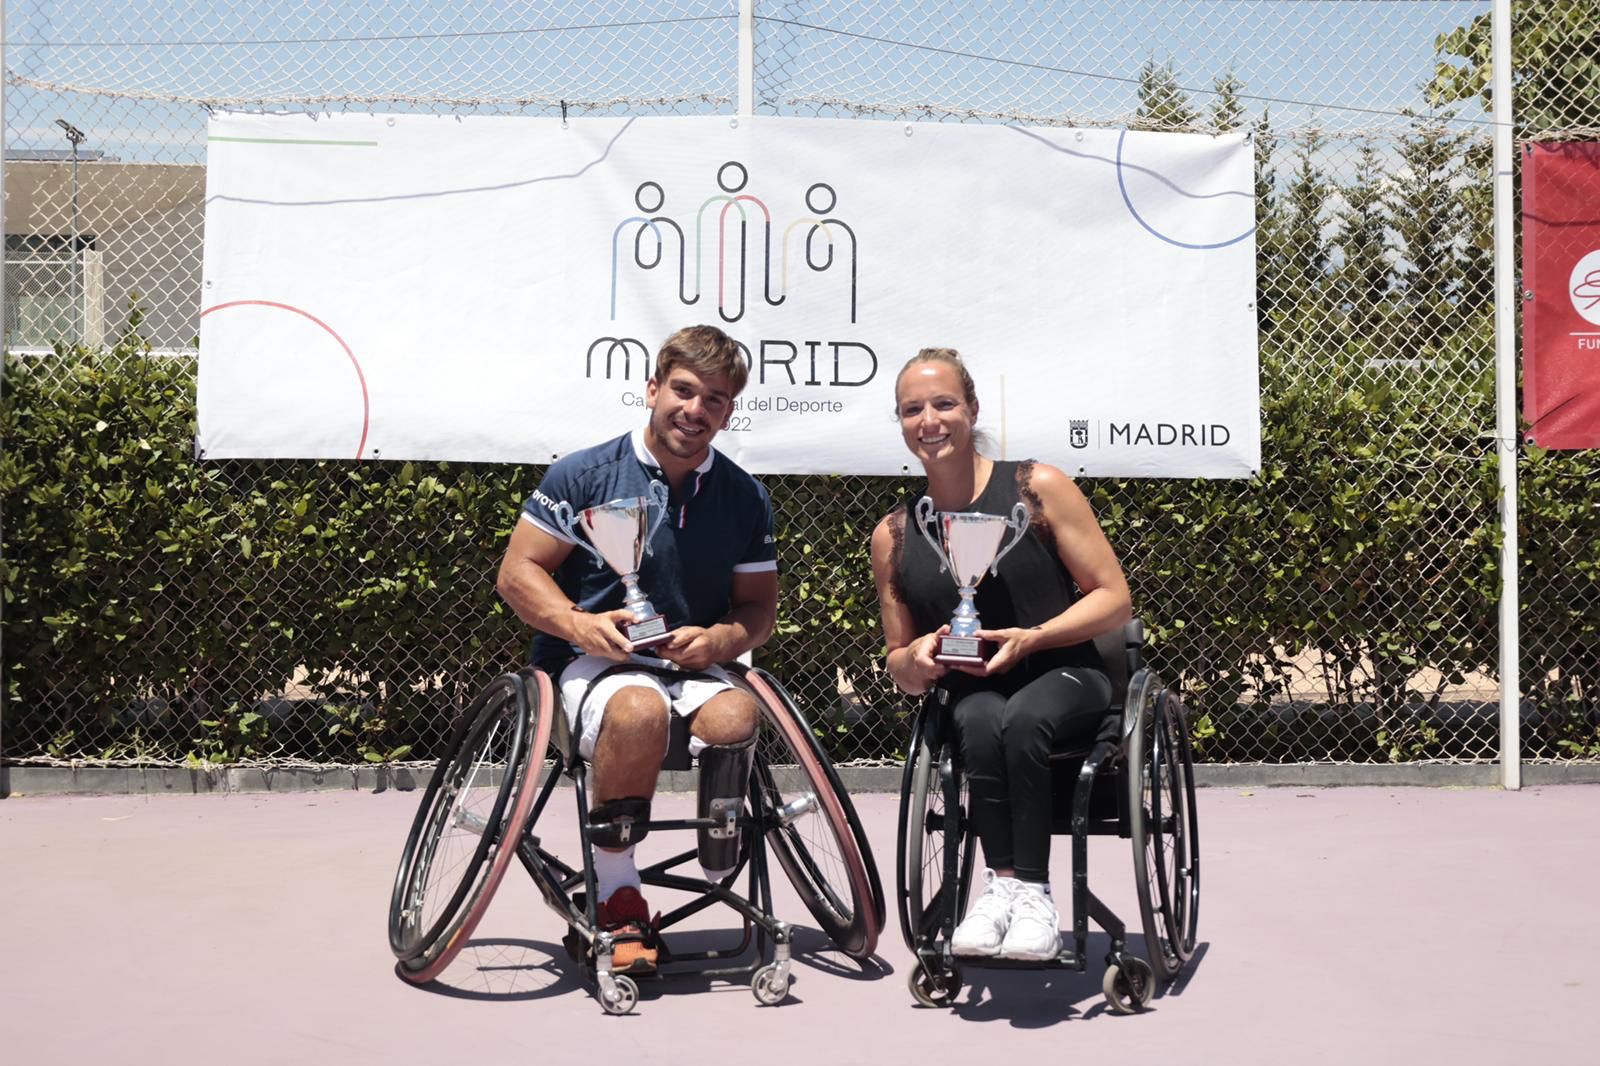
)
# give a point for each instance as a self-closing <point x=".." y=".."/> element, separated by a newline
<point x="77" y="251"/>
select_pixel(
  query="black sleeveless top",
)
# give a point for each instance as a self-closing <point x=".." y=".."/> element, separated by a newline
<point x="1031" y="587"/>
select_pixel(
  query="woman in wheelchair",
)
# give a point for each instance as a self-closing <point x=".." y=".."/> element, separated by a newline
<point x="1043" y="686"/>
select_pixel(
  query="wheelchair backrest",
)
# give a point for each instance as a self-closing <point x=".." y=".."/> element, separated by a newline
<point x="1121" y="651"/>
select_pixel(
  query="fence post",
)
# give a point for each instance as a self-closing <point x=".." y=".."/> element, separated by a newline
<point x="1505" y="396"/>
<point x="5" y="345"/>
<point x="747" y="57"/>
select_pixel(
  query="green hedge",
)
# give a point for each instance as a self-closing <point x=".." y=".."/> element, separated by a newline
<point x="152" y="601"/>
<point x="154" y="604"/>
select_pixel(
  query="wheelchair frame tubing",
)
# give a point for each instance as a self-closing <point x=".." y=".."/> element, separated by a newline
<point x="1085" y="904"/>
<point x="756" y="911"/>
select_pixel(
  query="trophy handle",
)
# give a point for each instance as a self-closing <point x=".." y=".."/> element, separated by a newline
<point x="1019" y="523"/>
<point x="568" y="523"/>
<point x="658" y="496"/>
<point x="925" y="515"/>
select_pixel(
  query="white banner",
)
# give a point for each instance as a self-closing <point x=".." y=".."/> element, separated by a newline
<point x="495" y="288"/>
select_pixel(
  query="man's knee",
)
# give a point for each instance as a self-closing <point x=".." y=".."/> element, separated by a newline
<point x="727" y="718"/>
<point x="635" y="711"/>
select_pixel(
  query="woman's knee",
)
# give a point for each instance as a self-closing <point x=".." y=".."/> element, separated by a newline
<point x="1053" y="707"/>
<point x="978" y="723"/>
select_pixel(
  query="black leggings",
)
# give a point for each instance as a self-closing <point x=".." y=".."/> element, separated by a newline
<point x="1005" y="746"/>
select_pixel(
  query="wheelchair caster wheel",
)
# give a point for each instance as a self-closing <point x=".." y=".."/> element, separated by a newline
<point x="1129" y="985"/>
<point x="618" y="995"/>
<point x="935" y="991"/>
<point x="770" y="984"/>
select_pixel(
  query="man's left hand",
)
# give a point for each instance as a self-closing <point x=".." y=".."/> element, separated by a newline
<point x="693" y="648"/>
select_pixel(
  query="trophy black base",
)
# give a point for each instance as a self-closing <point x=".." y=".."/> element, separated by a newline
<point x="963" y="651"/>
<point x="648" y="633"/>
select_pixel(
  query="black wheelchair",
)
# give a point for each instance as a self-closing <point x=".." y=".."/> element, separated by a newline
<point x="1135" y="779"/>
<point x="483" y="803"/>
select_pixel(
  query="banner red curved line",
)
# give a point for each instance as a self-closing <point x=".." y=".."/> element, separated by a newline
<point x="366" y="407"/>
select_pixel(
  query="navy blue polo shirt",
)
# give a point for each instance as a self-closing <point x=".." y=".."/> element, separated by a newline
<point x="719" y="525"/>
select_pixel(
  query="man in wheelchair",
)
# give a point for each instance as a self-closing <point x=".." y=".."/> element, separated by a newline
<point x="711" y="570"/>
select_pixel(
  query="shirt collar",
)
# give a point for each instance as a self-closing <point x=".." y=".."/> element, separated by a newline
<point x="642" y="453"/>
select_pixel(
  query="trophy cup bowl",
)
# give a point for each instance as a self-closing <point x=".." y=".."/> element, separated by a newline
<point x="617" y="534"/>
<point x="968" y="545"/>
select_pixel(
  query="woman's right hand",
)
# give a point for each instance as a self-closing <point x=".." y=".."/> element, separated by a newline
<point x="918" y="670"/>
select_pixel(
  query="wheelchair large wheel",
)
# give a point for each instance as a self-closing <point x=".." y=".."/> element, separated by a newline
<point x="924" y="833"/>
<point x="1155" y="800"/>
<point x="815" y="835"/>
<point x="470" y="820"/>
<point x="1186" y="904"/>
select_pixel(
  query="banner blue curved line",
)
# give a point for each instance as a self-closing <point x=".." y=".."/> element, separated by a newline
<point x="1122" y="187"/>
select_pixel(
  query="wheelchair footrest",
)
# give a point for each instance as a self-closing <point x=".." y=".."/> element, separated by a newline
<point x="1065" y="960"/>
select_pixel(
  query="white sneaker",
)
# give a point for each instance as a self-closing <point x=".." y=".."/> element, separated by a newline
<point x="984" y="928"/>
<point x="1034" y="929"/>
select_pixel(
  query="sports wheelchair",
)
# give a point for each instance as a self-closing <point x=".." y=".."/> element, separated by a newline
<point x="1134" y="779"/>
<point x="486" y="796"/>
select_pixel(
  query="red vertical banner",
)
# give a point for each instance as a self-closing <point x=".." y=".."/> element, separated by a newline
<point x="1561" y="283"/>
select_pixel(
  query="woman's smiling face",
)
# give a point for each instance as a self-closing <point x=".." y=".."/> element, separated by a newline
<point x="935" y="419"/>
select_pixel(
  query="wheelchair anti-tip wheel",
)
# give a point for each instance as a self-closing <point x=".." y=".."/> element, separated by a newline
<point x="466" y="830"/>
<point x="923" y="832"/>
<point x="814" y="832"/>
<point x="1160" y="814"/>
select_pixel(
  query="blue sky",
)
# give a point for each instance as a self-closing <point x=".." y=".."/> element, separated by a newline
<point x="1072" y="60"/>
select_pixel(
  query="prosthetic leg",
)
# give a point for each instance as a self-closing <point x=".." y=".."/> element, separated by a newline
<point x="724" y="780"/>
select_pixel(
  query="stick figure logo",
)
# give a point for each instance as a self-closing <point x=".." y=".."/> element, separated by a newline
<point x="735" y="250"/>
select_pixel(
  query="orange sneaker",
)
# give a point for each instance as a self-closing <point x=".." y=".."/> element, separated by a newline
<point x="636" y="946"/>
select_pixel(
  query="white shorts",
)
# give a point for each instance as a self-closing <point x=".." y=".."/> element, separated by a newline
<point x="684" y="697"/>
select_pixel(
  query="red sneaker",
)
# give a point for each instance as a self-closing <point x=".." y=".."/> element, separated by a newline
<point x="636" y="944"/>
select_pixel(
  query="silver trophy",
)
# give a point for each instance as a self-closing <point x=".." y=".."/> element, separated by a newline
<point x="618" y="538"/>
<point x="968" y="544"/>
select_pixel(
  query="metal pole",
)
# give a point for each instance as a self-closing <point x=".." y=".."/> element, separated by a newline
<point x="75" y="137"/>
<point x="1505" y="397"/>
<point x="77" y="257"/>
<point x="747" y="57"/>
<point x="5" y="346"/>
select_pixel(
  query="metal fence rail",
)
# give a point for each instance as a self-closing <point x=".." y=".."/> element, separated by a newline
<point x="1340" y="607"/>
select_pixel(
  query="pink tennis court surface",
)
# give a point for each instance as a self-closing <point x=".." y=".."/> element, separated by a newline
<point x="1358" y="925"/>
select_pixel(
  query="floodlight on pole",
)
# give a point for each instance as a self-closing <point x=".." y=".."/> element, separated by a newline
<point x="75" y="137"/>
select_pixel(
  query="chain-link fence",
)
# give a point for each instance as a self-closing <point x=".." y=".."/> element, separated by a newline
<point x="1340" y="606"/>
